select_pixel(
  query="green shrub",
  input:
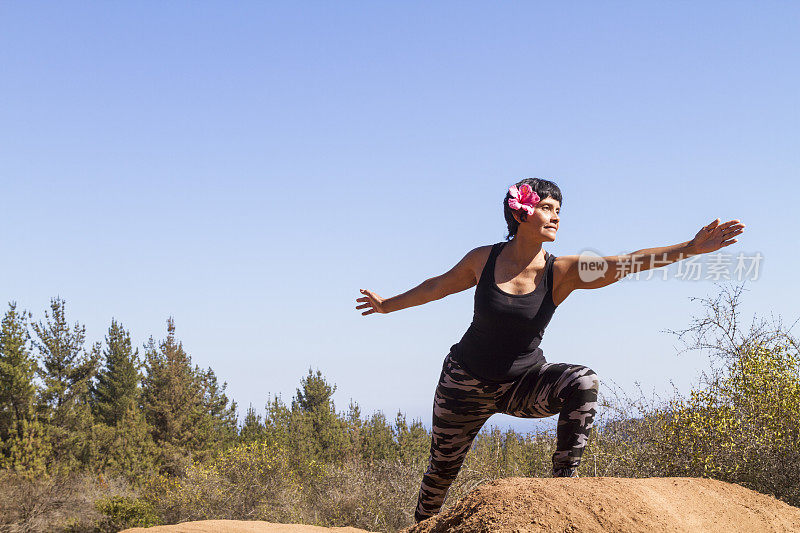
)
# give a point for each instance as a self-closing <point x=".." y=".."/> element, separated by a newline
<point x="124" y="512"/>
<point x="744" y="427"/>
<point x="251" y="481"/>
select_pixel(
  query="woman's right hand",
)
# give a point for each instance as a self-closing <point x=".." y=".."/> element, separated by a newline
<point x="372" y="301"/>
<point x="715" y="236"/>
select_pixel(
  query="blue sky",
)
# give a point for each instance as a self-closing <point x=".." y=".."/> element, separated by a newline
<point x="247" y="167"/>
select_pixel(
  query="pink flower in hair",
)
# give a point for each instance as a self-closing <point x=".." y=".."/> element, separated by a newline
<point x="523" y="198"/>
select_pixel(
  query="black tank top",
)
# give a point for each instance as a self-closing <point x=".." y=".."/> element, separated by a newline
<point x="503" y="339"/>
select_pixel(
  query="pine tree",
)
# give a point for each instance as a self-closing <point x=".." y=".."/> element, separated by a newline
<point x="377" y="438"/>
<point x="221" y="410"/>
<point x="278" y="421"/>
<point x="24" y="441"/>
<point x="413" y="441"/>
<point x="118" y="382"/>
<point x="252" y="428"/>
<point x="17" y="371"/>
<point x="31" y="452"/>
<point x="218" y="420"/>
<point x="66" y="372"/>
<point x="354" y="424"/>
<point x="122" y="438"/>
<point x="316" y="393"/>
<point x="319" y="431"/>
<point x="354" y="414"/>
<point x="172" y="398"/>
<point x="126" y="448"/>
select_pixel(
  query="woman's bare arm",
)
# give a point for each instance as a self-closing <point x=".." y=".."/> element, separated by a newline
<point x="459" y="278"/>
<point x="582" y="272"/>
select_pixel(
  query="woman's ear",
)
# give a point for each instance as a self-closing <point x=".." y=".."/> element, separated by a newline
<point x="517" y="217"/>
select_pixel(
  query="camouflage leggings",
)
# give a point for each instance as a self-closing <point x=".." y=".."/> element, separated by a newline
<point x="463" y="403"/>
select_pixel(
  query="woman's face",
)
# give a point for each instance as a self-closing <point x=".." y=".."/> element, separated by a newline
<point x="545" y="219"/>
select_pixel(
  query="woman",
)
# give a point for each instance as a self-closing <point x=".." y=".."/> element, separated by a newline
<point x="497" y="366"/>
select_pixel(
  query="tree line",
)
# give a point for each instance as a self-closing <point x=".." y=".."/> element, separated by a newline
<point x="106" y="407"/>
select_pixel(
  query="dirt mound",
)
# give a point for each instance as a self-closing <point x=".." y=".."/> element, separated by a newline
<point x="243" y="526"/>
<point x="622" y="505"/>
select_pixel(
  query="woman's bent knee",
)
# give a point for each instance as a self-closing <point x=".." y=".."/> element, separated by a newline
<point x="587" y="379"/>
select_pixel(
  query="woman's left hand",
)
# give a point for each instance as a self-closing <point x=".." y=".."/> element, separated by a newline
<point x="715" y="236"/>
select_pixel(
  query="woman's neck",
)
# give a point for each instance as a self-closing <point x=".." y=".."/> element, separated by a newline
<point x="523" y="250"/>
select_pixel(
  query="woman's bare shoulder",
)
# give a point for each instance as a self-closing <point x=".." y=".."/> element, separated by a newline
<point x="563" y="263"/>
<point x="479" y="256"/>
<point x="481" y="253"/>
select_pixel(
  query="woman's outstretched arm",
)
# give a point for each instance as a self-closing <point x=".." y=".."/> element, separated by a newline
<point x="582" y="272"/>
<point x="459" y="278"/>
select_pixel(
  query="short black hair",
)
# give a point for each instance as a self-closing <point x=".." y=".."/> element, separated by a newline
<point x="542" y="187"/>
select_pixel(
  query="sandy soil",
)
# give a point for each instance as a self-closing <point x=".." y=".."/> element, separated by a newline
<point x="622" y="505"/>
<point x="571" y="505"/>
